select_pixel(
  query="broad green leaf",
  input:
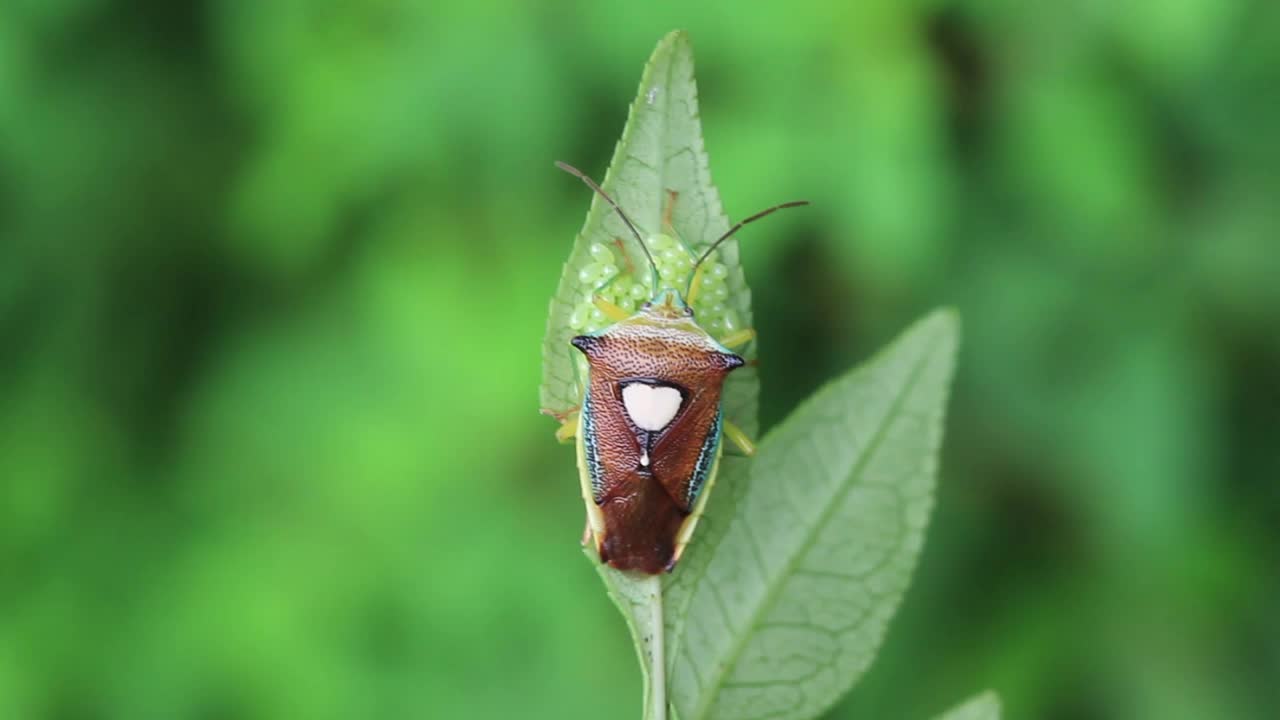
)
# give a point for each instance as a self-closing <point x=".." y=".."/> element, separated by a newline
<point x="661" y="151"/>
<point x="806" y="551"/>
<point x="983" y="707"/>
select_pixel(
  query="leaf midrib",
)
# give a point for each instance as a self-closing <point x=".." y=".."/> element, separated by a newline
<point x="789" y="568"/>
<point x="665" y="122"/>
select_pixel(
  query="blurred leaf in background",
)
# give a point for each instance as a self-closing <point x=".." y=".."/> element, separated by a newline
<point x="273" y="278"/>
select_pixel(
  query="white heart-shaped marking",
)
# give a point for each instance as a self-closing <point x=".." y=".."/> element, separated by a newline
<point x="651" y="407"/>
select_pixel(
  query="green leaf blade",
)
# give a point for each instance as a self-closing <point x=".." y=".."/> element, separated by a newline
<point x="983" y="707"/>
<point x="661" y="150"/>
<point x="816" y="542"/>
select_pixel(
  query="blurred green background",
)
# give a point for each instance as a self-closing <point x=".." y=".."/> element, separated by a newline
<point x="274" y="277"/>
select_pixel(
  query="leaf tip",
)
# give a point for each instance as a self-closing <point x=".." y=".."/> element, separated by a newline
<point x="943" y="326"/>
<point x="674" y="37"/>
<point x="947" y="315"/>
<point x="984" y="706"/>
<point x="989" y="698"/>
<point x="674" y="44"/>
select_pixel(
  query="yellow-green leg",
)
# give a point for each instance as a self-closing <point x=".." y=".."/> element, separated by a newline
<point x="738" y="338"/>
<point x="695" y="285"/>
<point x="568" y="420"/>
<point x="611" y="311"/>
<point x="739" y="438"/>
<point x="667" y="227"/>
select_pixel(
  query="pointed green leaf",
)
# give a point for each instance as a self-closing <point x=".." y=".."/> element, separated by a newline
<point x="983" y="707"/>
<point x="807" y="550"/>
<point x="661" y="151"/>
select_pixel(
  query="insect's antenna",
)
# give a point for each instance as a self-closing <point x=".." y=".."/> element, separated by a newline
<point x="734" y="229"/>
<point x="592" y="184"/>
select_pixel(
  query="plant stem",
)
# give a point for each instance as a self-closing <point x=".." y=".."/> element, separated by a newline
<point x="656" y="703"/>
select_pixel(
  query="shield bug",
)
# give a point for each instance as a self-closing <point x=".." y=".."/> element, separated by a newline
<point x="649" y="429"/>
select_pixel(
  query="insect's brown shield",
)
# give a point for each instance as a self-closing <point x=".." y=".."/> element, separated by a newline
<point x="653" y="409"/>
<point x="660" y="174"/>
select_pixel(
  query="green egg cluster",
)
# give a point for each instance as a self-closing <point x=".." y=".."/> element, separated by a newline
<point x="602" y="276"/>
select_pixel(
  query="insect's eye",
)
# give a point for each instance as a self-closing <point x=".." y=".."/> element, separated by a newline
<point x="688" y="312"/>
<point x="646" y="306"/>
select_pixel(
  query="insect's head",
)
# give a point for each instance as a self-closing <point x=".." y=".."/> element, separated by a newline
<point x="668" y="303"/>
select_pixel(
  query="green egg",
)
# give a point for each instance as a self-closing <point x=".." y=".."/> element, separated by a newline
<point x="589" y="274"/>
<point x="601" y="254"/>
<point x="661" y="242"/>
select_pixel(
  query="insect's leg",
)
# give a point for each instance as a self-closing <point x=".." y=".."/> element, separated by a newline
<point x="568" y="420"/>
<point x="739" y="438"/>
<point x="611" y="311"/>
<point x="695" y="285"/>
<point x="734" y="339"/>
<point x="568" y="429"/>
<point x="738" y="338"/>
<point x="670" y="209"/>
<point x="622" y="250"/>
